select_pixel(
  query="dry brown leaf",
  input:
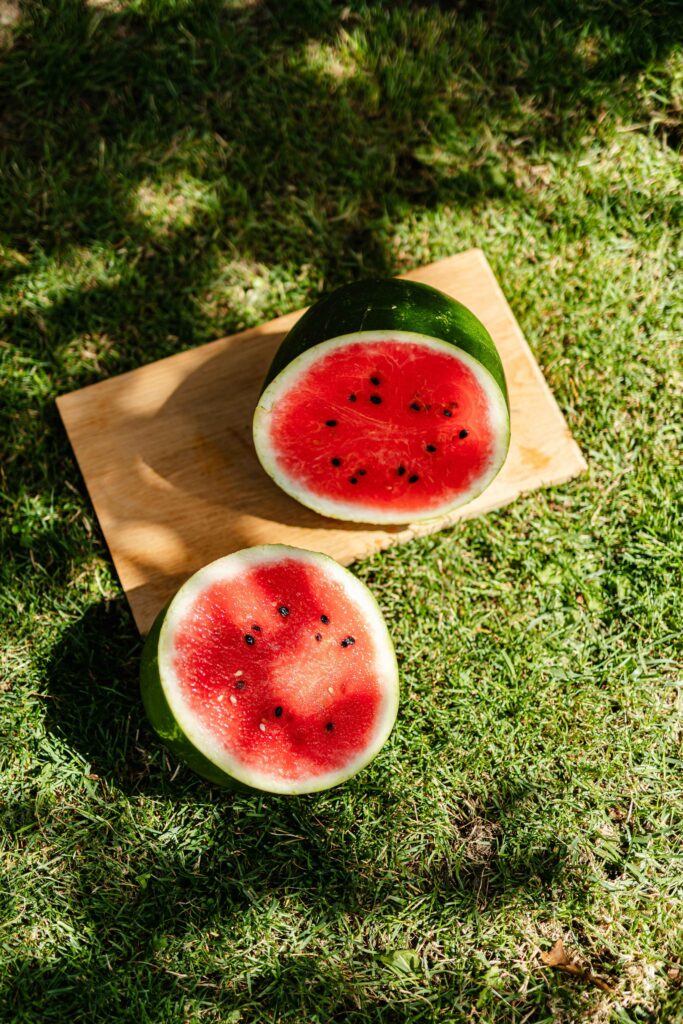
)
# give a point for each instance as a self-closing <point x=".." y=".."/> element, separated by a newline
<point x="558" y="957"/>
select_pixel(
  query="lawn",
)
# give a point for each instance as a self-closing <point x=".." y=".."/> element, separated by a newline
<point x="174" y="171"/>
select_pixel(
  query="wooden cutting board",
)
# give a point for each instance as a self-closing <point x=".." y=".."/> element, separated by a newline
<point x="167" y="456"/>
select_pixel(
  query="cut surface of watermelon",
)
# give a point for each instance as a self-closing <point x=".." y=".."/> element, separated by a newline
<point x="385" y="426"/>
<point x="273" y="668"/>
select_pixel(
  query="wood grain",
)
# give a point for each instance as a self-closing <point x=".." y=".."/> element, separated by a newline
<point x="167" y="456"/>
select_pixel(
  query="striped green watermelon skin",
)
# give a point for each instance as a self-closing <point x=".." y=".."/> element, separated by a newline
<point x="386" y="304"/>
<point x="386" y="403"/>
<point x="161" y="717"/>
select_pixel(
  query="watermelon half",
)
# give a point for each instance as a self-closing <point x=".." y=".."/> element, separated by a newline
<point x="385" y="403"/>
<point x="272" y="668"/>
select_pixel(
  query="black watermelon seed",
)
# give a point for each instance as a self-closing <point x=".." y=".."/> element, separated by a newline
<point x="318" y="636"/>
<point x="324" y="619"/>
<point x="283" y="610"/>
<point x="431" y="447"/>
<point x="352" y="398"/>
<point x="257" y="629"/>
<point x="278" y="712"/>
<point x="333" y="423"/>
<point x="330" y="726"/>
<point x="447" y="412"/>
<point x="361" y="472"/>
<point x="462" y="435"/>
<point x="416" y="406"/>
<point x="348" y="641"/>
<point x="413" y="479"/>
<point x="336" y="462"/>
<point x="240" y="684"/>
<point x="353" y="480"/>
<point x="401" y="470"/>
<point x="375" y="381"/>
<point x="249" y="638"/>
<point x="375" y="399"/>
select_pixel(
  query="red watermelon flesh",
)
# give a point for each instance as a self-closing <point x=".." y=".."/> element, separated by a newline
<point x="279" y="669"/>
<point x="385" y="429"/>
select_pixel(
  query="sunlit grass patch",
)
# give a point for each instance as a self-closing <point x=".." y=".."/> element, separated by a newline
<point x="336" y="62"/>
<point x="47" y="280"/>
<point x="244" y="293"/>
<point x="174" y="203"/>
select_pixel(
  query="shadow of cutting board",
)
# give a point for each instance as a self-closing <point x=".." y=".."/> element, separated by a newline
<point x="168" y="460"/>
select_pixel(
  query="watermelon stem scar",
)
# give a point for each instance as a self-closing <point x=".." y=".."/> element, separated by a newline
<point x="378" y="375"/>
<point x="290" y="711"/>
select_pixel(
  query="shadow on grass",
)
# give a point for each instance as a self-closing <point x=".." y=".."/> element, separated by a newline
<point x="141" y="901"/>
<point x="491" y="861"/>
<point x="146" y="991"/>
<point x="94" y="693"/>
<point x="258" y="145"/>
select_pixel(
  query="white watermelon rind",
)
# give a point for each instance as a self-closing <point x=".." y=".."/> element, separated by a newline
<point x="355" y="511"/>
<point x="191" y="741"/>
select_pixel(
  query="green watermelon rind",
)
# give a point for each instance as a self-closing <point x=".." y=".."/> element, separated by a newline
<point x="388" y="304"/>
<point x="161" y="717"/>
<point x="390" y="307"/>
<point x="165" y="723"/>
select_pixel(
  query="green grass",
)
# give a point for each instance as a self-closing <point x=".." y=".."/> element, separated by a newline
<point x="172" y="171"/>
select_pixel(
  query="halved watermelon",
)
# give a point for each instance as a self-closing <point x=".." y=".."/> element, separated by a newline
<point x="385" y="403"/>
<point x="272" y="668"/>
